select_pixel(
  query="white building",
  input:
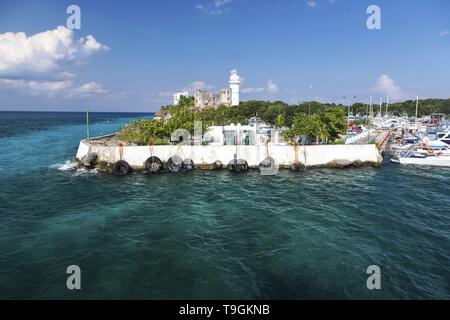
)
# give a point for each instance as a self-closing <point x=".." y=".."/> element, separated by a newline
<point x="255" y="133"/>
<point x="177" y="96"/>
<point x="228" y="97"/>
<point x="235" y="82"/>
<point x="204" y="100"/>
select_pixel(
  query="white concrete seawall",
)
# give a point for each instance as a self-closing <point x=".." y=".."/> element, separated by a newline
<point x="309" y="156"/>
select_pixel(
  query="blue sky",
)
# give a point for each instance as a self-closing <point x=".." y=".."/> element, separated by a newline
<point x="131" y="55"/>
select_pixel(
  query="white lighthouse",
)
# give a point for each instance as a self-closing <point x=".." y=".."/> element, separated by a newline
<point x="235" y="82"/>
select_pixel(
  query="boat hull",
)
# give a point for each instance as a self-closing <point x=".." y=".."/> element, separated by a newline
<point x="441" y="161"/>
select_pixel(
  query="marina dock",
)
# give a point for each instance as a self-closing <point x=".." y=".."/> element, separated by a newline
<point x="283" y="156"/>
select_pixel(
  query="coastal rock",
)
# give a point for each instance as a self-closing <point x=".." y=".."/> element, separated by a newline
<point x="339" y="163"/>
<point x="297" y="167"/>
<point x="103" y="167"/>
<point x="89" y="160"/>
<point x="217" y="165"/>
<point x="343" y="164"/>
<point x="379" y="159"/>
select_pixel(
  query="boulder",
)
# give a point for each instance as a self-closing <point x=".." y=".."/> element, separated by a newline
<point x="89" y="160"/>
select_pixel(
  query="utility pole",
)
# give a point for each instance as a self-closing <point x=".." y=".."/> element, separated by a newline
<point x="87" y="123"/>
<point x="348" y="107"/>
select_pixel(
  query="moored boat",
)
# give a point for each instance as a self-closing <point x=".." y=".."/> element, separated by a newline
<point x="434" y="153"/>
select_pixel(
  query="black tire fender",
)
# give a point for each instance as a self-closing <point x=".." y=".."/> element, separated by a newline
<point x="121" y="168"/>
<point x="188" y="165"/>
<point x="237" y="165"/>
<point x="175" y="164"/>
<point x="218" y="165"/>
<point x="153" y="165"/>
<point x="267" y="163"/>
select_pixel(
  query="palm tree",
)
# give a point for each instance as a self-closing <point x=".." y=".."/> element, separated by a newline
<point x="280" y="121"/>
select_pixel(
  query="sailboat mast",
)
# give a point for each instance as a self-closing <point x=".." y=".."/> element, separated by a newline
<point x="381" y="105"/>
<point x="387" y="105"/>
<point x="417" y="107"/>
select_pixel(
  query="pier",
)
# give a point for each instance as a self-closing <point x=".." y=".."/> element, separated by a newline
<point x="284" y="156"/>
<point x="380" y="137"/>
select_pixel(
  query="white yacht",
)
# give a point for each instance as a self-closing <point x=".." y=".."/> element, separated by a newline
<point x="433" y="153"/>
<point x="444" y="136"/>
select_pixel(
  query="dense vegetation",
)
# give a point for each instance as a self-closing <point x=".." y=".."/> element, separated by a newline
<point x="269" y="111"/>
<point x="324" y="122"/>
<point x="426" y="107"/>
<point x="327" y="125"/>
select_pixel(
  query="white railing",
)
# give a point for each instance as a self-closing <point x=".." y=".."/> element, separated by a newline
<point x="357" y="137"/>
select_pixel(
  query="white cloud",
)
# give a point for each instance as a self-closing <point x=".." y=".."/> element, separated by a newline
<point x="271" y="88"/>
<point x="91" y="88"/>
<point x="215" y="7"/>
<point x="90" y="45"/>
<point x="253" y="90"/>
<point x="65" y="75"/>
<point x="35" y="88"/>
<point x="386" y="85"/>
<point x="220" y="3"/>
<point x="316" y="3"/>
<point x="63" y="88"/>
<point x="51" y="86"/>
<point x="311" y="3"/>
<point x="166" y="94"/>
<point x="43" y="54"/>
<point x="197" y="85"/>
<point x="444" y="33"/>
<point x="36" y="64"/>
<point x="35" y="85"/>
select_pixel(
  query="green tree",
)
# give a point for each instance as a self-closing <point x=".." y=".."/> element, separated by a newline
<point x="144" y="132"/>
<point x="188" y="102"/>
<point x="280" y="120"/>
<point x="299" y="127"/>
<point x="335" y="121"/>
<point x="313" y="127"/>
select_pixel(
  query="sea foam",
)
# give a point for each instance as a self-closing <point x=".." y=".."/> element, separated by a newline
<point x="65" y="166"/>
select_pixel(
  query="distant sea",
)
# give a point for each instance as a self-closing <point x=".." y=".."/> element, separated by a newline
<point x="211" y="235"/>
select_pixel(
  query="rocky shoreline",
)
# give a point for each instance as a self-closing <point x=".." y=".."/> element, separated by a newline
<point x="178" y="158"/>
<point x="107" y="168"/>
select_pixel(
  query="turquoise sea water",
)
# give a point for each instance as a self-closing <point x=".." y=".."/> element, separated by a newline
<point x="208" y="235"/>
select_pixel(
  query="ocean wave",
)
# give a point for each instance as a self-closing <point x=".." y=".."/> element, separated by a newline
<point x="68" y="165"/>
<point x="83" y="171"/>
<point x="71" y="166"/>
